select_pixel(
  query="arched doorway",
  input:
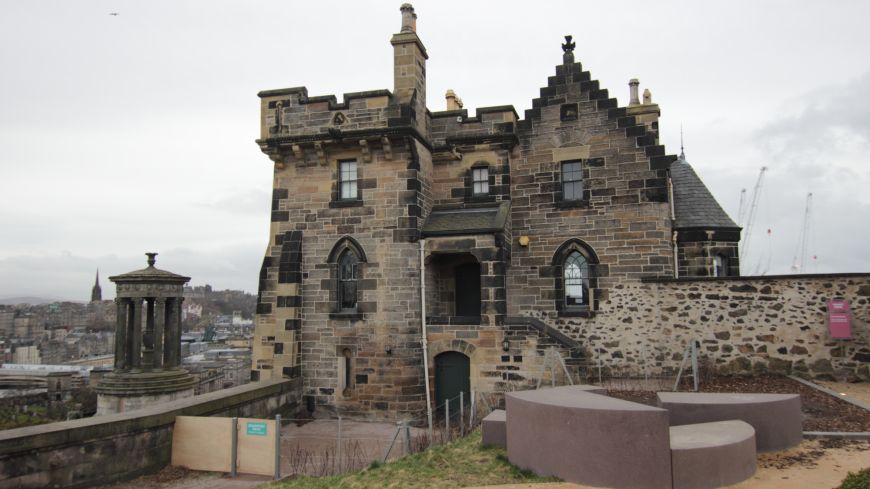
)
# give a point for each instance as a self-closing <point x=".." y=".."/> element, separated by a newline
<point x="452" y="376"/>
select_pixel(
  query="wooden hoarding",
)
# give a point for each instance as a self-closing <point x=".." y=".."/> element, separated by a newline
<point x="256" y="446"/>
<point x="203" y="443"/>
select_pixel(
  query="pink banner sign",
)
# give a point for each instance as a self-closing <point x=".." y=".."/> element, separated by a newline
<point x="839" y="319"/>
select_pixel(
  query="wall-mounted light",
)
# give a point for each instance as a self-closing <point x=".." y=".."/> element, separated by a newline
<point x="523" y="240"/>
<point x="505" y="345"/>
<point x="388" y="349"/>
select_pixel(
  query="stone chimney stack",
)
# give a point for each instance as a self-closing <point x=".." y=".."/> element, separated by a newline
<point x="632" y="87"/>
<point x="409" y="67"/>
<point x="453" y="102"/>
<point x="647" y="112"/>
<point x="409" y="18"/>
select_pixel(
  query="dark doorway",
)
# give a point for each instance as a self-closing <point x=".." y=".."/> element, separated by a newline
<point x="467" y="289"/>
<point x="452" y="375"/>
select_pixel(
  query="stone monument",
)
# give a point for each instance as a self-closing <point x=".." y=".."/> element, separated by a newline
<point x="147" y="342"/>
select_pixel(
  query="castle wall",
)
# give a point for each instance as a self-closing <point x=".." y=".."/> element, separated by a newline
<point x="744" y="325"/>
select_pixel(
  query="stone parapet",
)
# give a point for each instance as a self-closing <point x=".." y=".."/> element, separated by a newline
<point x="94" y="451"/>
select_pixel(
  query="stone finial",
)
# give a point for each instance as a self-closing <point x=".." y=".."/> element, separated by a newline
<point x="647" y="96"/>
<point x="568" y="48"/>
<point x="409" y="18"/>
<point x="632" y="90"/>
<point x="151" y="259"/>
<point x="453" y="102"/>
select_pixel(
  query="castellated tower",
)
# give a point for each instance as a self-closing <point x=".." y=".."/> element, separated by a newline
<point x="417" y="254"/>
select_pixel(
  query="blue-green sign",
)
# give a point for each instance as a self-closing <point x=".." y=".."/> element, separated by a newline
<point x="256" y="428"/>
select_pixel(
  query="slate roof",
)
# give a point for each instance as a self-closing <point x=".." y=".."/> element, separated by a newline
<point x="453" y="221"/>
<point x="694" y="205"/>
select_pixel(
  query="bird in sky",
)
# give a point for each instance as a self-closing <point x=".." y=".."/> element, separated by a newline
<point x="113" y="14"/>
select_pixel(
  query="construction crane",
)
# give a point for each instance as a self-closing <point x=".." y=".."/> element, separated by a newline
<point x="800" y="255"/>
<point x="753" y="205"/>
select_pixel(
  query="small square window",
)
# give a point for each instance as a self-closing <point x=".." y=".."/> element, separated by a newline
<point x="572" y="181"/>
<point x="347" y="180"/>
<point x="480" y="180"/>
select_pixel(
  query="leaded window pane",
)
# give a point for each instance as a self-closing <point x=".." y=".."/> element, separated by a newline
<point x="347" y="280"/>
<point x="576" y="276"/>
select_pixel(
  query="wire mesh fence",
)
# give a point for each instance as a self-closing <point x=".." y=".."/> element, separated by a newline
<point x="320" y="447"/>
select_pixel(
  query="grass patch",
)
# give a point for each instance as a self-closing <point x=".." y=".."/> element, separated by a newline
<point x="462" y="463"/>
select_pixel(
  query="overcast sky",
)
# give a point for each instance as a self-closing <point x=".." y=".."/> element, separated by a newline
<point x="133" y="133"/>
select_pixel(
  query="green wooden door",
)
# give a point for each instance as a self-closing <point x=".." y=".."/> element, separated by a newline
<point x="452" y="374"/>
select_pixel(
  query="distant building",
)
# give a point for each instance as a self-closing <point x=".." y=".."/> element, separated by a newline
<point x="26" y="355"/>
<point x="191" y="310"/>
<point x="96" y="291"/>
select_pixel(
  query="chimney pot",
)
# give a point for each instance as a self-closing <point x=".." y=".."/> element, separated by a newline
<point x="647" y="96"/>
<point x="409" y="18"/>
<point x="453" y="102"/>
<point x="632" y="87"/>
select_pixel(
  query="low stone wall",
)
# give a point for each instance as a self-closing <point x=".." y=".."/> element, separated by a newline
<point x="105" y="449"/>
<point x="744" y="325"/>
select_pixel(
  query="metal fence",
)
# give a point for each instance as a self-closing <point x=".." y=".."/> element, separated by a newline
<point x="321" y="447"/>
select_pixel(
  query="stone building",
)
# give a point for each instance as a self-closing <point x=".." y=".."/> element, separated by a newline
<point x="517" y="236"/>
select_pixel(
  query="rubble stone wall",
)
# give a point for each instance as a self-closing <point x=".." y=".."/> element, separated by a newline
<point x="744" y="325"/>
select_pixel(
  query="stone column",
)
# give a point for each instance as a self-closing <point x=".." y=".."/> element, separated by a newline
<point x="176" y="320"/>
<point x="128" y="333"/>
<point x="159" y="328"/>
<point x="136" y="342"/>
<point x="148" y="337"/>
<point x="169" y="351"/>
<point x="121" y="360"/>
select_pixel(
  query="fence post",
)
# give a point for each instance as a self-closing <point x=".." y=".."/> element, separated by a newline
<point x="407" y="437"/>
<point x="234" y="452"/>
<point x="277" y="446"/>
<point x="461" y="413"/>
<point x="338" y="450"/>
<point x="447" y="418"/>
<point x="473" y="412"/>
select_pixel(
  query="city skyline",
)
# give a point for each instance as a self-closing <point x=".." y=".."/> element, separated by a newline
<point x="133" y="133"/>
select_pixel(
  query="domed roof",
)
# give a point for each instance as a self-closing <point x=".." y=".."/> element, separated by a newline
<point x="150" y="275"/>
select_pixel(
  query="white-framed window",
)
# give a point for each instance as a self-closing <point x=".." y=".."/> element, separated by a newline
<point x="347" y="179"/>
<point x="720" y="266"/>
<point x="572" y="180"/>
<point x="480" y="180"/>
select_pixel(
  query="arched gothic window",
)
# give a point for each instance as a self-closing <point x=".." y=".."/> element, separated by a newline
<point x="575" y="269"/>
<point x="576" y="275"/>
<point x="347" y="280"/>
<point x="346" y="270"/>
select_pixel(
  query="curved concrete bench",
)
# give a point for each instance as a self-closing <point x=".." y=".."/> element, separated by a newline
<point x="494" y="425"/>
<point x="589" y="438"/>
<point x="775" y="417"/>
<point x="712" y="454"/>
<point x="494" y="430"/>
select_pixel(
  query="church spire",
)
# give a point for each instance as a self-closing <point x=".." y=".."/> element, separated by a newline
<point x="97" y="291"/>
<point x="682" y="151"/>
